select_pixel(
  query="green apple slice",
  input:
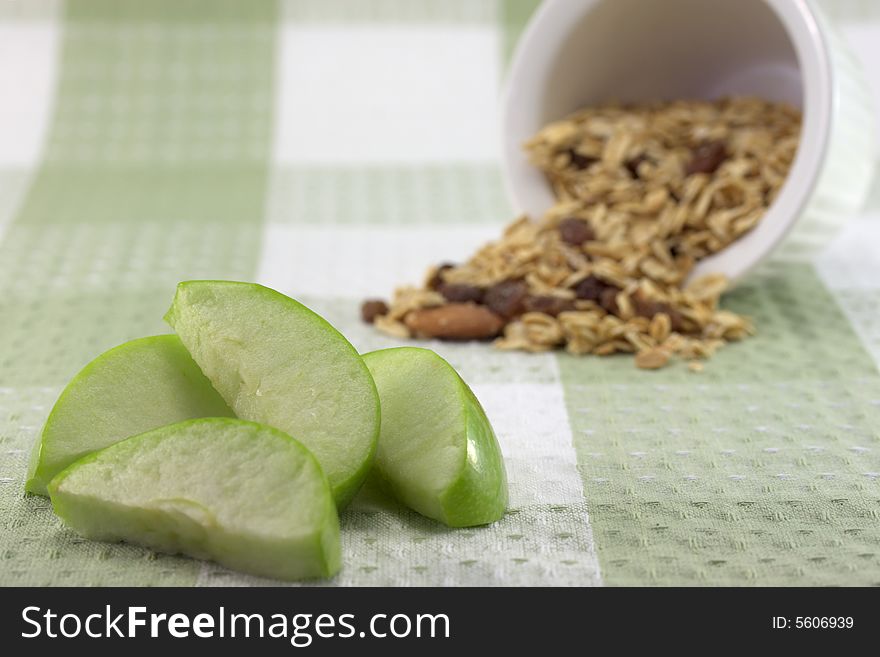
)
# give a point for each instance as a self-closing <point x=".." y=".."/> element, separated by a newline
<point x="135" y="387"/>
<point x="276" y="362"/>
<point x="239" y="493"/>
<point x="437" y="452"/>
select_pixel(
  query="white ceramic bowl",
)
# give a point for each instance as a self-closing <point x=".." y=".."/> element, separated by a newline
<point x="580" y="52"/>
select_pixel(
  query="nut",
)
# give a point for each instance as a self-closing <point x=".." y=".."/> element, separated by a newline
<point x="455" y="321"/>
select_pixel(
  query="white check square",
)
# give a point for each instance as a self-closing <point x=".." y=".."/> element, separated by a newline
<point x="359" y="94"/>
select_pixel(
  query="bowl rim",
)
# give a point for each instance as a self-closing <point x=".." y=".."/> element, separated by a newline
<point x="806" y="31"/>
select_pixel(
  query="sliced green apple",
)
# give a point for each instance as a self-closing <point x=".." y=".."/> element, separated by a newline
<point x="135" y="387"/>
<point x="437" y="452"/>
<point x="276" y="362"/>
<point x="239" y="493"/>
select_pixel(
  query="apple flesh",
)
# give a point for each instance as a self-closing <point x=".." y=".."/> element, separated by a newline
<point x="437" y="451"/>
<point x="276" y="362"/>
<point x="242" y="494"/>
<point x="132" y="388"/>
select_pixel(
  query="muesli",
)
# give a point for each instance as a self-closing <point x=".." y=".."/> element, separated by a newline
<point x="643" y="193"/>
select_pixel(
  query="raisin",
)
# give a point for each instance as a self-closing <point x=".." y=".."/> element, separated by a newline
<point x="706" y="157"/>
<point x="461" y="293"/>
<point x="575" y="231"/>
<point x="507" y="298"/>
<point x="579" y="161"/>
<point x="547" y="304"/>
<point x="591" y="288"/>
<point x="645" y="307"/>
<point x="437" y="278"/>
<point x="373" y="308"/>
<point x="632" y="165"/>
<point x="608" y="299"/>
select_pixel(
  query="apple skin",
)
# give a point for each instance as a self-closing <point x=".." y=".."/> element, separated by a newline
<point x="134" y="387"/>
<point x="242" y="494"/>
<point x="437" y="451"/>
<point x="279" y="363"/>
<point x="480" y="495"/>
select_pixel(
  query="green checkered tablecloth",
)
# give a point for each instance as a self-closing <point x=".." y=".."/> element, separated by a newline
<point x="331" y="149"/>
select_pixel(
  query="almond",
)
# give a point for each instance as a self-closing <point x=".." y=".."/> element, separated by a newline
<point x="455" y="321"/>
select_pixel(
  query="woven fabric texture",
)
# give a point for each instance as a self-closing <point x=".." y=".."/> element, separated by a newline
<point x="332" y="149"/>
